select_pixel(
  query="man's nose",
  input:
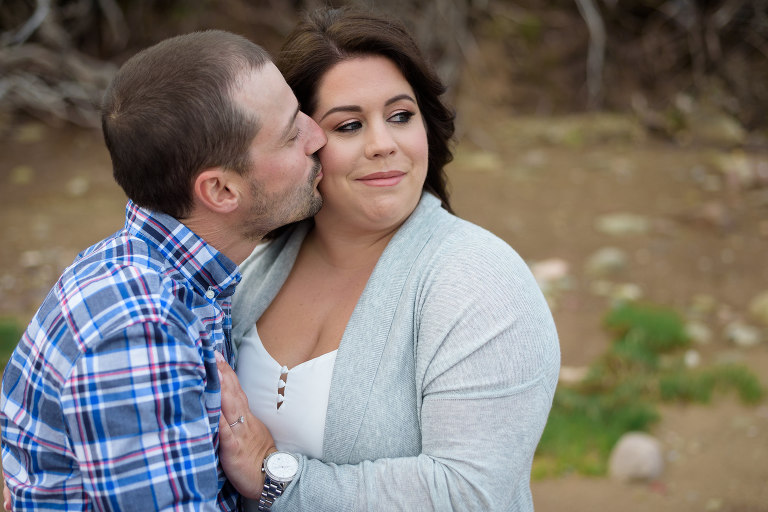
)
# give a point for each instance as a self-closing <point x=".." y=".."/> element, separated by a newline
<point x="317" y="138"/>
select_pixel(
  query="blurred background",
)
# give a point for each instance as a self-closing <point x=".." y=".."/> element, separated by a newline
<point x="621" y="147"/>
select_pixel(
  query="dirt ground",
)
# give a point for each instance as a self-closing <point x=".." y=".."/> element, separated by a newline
<point x="544" y="186"/>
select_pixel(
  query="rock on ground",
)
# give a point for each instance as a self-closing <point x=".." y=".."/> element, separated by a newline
<point x="637" y="456"/>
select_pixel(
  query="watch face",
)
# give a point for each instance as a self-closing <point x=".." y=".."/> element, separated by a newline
<point x="282" y="466"/>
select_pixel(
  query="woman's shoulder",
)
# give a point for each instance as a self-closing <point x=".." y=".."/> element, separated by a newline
<point x="447" y="236"/>
<point x="466" y="244"/>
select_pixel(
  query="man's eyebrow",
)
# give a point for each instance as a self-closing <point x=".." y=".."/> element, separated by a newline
<point x="289" y="126"/>
<point x="355" y="108"/>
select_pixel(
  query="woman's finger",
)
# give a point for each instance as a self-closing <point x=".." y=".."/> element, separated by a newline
<point x="243" y="440"/>
<point x="234" y="402"/>
<point x="6" y="497"/>
<point x="242" y="448"/>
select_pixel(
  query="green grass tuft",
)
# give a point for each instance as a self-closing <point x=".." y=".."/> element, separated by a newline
<point x="647" y="328"/>
<point x="699" y="385"/>
<point x="582" y="429"/>
<point x="10" y="333"/>
<point x="621" y="392"/>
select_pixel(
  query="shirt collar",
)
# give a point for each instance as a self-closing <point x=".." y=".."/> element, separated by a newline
<point x="204" y="266"/>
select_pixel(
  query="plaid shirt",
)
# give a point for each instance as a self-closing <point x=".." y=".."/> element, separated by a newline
<point x="111" y="401"/>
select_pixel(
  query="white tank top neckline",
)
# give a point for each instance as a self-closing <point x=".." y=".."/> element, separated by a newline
<point x="298" y="424"/>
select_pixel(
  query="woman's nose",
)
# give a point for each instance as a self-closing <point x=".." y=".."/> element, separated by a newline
<point x="379" y="141"/>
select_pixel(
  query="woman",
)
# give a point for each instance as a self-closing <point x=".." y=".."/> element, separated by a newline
<point x="405" y="356"/>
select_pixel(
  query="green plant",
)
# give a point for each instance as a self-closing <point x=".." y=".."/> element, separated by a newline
<point x="699" y="385"/>
<point x="582" y="429"/>
<point x="645" y="330"/>
<point x="10" y="332"/>
<point x="643" y="366"/>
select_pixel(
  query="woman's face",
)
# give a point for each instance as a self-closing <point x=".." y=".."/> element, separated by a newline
<point x="375" y="161"/>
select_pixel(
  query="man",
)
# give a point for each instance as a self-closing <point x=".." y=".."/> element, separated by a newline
<point x="111" y="401"/>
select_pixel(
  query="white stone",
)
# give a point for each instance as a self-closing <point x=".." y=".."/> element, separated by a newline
<point x="622" y="224"/>
<point x="742" y="335"/>
<point x="692" y="358"/>
<point x="77" y="187"/>
<point x="31" y="259"/>
<point x="637" y="456"/>
<point x="573" y="374"/>
<point x="698" y="332"/>
<point x="605" y="261"/>
<point x="547" y="271"/>
<point x="626" y="292"/>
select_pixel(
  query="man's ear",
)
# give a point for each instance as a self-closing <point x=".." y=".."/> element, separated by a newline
<point x="218" y="190"/>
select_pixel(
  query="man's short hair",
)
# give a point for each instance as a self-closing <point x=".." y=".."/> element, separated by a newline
<point x="169" y="113"/>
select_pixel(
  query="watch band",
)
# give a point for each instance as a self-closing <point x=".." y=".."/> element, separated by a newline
<point x="269" y="493"/>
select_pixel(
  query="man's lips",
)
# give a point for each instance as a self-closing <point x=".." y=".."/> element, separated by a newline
<point x="382" y="179"/>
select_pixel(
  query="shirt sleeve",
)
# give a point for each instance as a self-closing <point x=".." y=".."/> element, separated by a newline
<point x="135" y="407"/>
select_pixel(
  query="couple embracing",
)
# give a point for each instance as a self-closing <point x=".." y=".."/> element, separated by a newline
<point x="290" y="220"/>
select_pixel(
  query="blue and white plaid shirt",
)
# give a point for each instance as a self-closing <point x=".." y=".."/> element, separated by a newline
<point x="111" y="401"/>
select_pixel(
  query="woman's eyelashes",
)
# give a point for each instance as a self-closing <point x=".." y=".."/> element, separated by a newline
<point x="400" y="117"/>
<point x="349" y="127"/>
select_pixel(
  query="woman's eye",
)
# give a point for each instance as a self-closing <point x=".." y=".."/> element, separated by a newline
<point x="350" y="126"/>
<point x="402" y="117"/>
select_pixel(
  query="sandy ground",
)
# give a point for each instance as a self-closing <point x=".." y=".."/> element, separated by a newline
<point x="543" y="191"/>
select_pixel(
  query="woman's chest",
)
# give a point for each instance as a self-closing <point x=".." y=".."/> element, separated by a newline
<point x="309" y="315"/>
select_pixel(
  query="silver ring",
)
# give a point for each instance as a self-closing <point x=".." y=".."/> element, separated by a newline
<point x="241" y="419"/>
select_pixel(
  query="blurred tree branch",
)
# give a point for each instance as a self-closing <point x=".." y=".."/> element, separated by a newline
<point x="56" y="56"/>
<point x="33" y="23"/>
<point x="596" y="51"/>
<point x="49" y="77"/>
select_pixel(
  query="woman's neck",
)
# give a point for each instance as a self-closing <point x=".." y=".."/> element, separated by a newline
<point x="343" y="247"/>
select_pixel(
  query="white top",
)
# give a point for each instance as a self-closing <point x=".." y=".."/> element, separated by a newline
<point x="298" y="424"/>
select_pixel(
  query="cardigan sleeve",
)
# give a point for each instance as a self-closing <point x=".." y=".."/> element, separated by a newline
<point x="487" y="360"/>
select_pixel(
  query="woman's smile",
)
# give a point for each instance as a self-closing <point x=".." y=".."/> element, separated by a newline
<point x="382" y="179"/>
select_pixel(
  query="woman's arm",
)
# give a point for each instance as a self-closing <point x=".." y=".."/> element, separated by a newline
<point x="487" y="360"/>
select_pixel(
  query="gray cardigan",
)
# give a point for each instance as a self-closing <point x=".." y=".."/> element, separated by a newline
<point x="443" y="379"/>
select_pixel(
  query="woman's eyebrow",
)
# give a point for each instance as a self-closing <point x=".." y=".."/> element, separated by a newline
<point x="355" y="108"/>
<point x="342" y="108"/>
<point x="398" y="98"/>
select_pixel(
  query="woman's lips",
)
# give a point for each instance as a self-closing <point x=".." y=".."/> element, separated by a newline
<point x="382" y="179"/>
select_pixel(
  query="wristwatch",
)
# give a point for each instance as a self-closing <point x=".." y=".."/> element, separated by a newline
<point x="280" y="468"/>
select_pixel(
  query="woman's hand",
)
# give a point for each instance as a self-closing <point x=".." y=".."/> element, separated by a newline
<point x="6" y="497"/>
<point x="244" y="441"/>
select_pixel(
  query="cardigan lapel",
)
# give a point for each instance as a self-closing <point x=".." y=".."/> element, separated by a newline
<point x="368" y="329"/>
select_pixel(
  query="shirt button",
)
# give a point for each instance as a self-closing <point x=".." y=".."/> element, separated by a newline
<point x="210" y="293"/>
